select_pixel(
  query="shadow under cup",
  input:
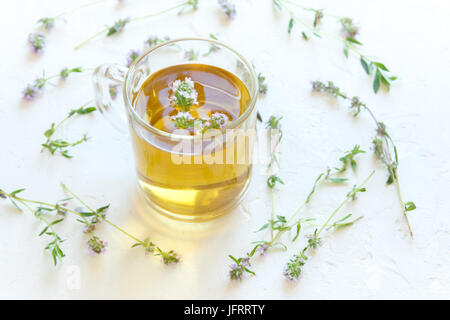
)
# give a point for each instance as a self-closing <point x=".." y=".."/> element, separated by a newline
<point x="189" y="178"/>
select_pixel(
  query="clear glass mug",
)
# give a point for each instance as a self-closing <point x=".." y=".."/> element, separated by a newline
<point x="183" y="176"/>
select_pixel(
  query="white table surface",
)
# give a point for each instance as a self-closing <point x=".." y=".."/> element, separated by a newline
<point x="373" y="259"/>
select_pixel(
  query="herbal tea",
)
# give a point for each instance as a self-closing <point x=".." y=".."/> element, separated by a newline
<point x="191" y="100"/>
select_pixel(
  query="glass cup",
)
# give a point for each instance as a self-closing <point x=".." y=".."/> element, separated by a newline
<point x="189" y="178"/>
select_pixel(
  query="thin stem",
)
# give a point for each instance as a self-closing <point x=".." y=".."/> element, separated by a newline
<point x="273" y="212"/>
<point x="160" y="12"/>
<point x="79" y="8"/>
<point x="342" y="203"/>
<point x="91" y="38"/>
<point x="100" y="216"/>
<point x="131" y="20"/>
<point x="402" y="204"/>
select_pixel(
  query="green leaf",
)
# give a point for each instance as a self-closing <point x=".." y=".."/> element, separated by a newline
<point x="102" y="209"/>
<point x="43" y="231"/>
<point x="390" y="179"/>
<point x="381" y="66"/>
<point x="353" y="41"/>
<point x="17" y="191"/>
<point x="410" y="206"/>
<point x="263" y="227"/>
<point x="337" y="180"/>
<point x="49" y="132"/>
<point x="365" y="65"/>
<point x="297" y="233"/>
<point x="87" y="214"/>
<point x="385" y="81"/>
<point x="86" y="110"/>
<point x="291" y="25"/>
<point x="376" y="82"/>
<point x="272" y="181"/>
<point x="234" y="259"/>
<point x="55" y="222"/>
<point x="304" y="36"/>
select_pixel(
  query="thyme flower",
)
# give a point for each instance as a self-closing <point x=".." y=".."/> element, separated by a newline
<point x="96" y="245"/>
<point x="262" y="84"/>
<point x="153" y="41"/>
<point x="118" y="26"/>
<point x="183" y="94"/>
<point x="239" y="268"/>
<point x="37" y="42"/>
<point x="228" y="8"/>
<point x="293" y="268"/>
<point x="183" y="120"/>
<point x="132" y="56"/>
<point x="65" y="72"/>
<point x="349" y="27"/>
<point x="218" y="120"/>
<point x="47" y="23"/>
<point x="30" y="92"/>
<point x="168" y="257"/>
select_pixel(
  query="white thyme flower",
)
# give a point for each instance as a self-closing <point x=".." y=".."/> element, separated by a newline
<point x="182" y="115"/>
<point x="184" y="95"/>
<point x="219" y="119"/>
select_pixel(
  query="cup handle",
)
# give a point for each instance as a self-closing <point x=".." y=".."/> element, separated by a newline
<point x="108" y="84"/>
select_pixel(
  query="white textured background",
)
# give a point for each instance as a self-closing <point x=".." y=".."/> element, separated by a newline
<point x="373" y="259"/>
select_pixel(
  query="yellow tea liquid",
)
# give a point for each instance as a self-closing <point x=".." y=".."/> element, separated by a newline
<point x="195" y="189"/>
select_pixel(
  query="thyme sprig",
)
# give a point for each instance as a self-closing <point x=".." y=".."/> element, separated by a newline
<point x="279" y="225"/>
<point x="34" y="88"/>
<point x="47" y="23"/>
<point x="60" y="145"/>
<point x="381" y="74"/>
<point x="120" y="24"/>
<point x="87" y="216"/>
<point x="384" y="147"/>
<point x="294" y="266"/>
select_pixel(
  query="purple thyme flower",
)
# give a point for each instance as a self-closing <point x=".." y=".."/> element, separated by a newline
<point x="293" y="268"/>
<point x="236" y="272"/>
<point x="132" y="56"/>
<point x="47" y="23"/>
<point x="96" y="245"/>
<point x="170" y="257"/>
<point x="228" y="8"/>
<point x="36" y="41"/>
<point x="153" y="41"/>
<point x="89" y="228"/>
<point x="32" y="89"/>
<point x="30" y="92"/>
<point x="262" y="249"/>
